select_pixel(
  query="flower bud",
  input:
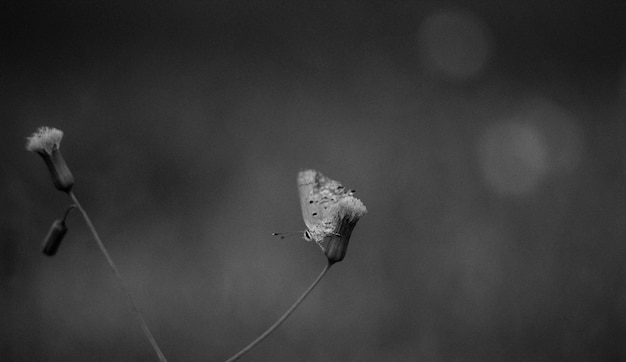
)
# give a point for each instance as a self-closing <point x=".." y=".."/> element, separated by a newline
<point x="46" y="142"/>
<point x="55" y="236"/>
<point x="350" y="210"/>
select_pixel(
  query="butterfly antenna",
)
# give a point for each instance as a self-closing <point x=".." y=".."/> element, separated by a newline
<point x="287" y="234"/>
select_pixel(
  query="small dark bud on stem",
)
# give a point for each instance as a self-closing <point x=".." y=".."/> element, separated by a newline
<point x="57" y="231"/>
<point x="55" y="236"/>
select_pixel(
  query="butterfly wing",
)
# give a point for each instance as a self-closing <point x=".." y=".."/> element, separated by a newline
<point x="318" y="195"/>
<point x="308" y="199"/>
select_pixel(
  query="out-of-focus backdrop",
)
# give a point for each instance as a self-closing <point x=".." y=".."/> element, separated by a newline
<point x="486" y="140"/>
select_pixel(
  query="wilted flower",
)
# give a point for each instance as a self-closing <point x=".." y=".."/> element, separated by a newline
<point x="349" y="211"/>
<point x="46" y="142"/>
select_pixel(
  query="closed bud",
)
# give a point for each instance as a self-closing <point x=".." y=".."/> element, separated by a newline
<point x="47" y="142"/>
<point x="55" y="236"/>
<point x="350" y="210"/>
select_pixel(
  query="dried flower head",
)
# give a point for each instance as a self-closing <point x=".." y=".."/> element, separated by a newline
<point x="348" y="212"/>
<point x="46" y="142"/>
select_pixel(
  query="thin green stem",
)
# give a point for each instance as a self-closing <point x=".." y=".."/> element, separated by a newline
<point x="282" y="318"/>
<point x="104" y="251"/>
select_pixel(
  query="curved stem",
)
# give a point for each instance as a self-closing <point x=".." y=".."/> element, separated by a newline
<point x="67" y="212"/>
<point x="282" y="318"/>
<point x="104" y="251"/>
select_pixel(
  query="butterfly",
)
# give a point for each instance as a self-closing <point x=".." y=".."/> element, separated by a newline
<point x="319" y="196"/>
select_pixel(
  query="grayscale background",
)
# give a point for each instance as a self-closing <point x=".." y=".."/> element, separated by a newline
<point x="487" y="140"/>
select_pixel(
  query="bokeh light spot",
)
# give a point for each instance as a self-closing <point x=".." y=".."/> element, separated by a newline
<point x="513" y="157"/>
<point x="455" y="45"/>
<point x="560" y="130"/>
<point x="518" y="153"/>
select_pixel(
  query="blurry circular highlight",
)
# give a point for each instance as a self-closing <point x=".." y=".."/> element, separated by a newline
<point x="516" y="155"/>
<point x="453" y="44"/>
<point x="513" y="157"/>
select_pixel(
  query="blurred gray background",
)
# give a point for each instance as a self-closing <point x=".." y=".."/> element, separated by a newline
<point x="486" y="140"/>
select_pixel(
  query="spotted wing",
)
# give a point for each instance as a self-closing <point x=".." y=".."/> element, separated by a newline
<point x="318" y="194"/>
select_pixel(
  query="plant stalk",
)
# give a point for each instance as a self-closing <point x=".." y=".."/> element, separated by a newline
<point x="282" y="318"/>
<point x="104" y="251"/>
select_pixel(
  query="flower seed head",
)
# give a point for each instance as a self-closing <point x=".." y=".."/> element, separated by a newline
<point x="47" y="142"/>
